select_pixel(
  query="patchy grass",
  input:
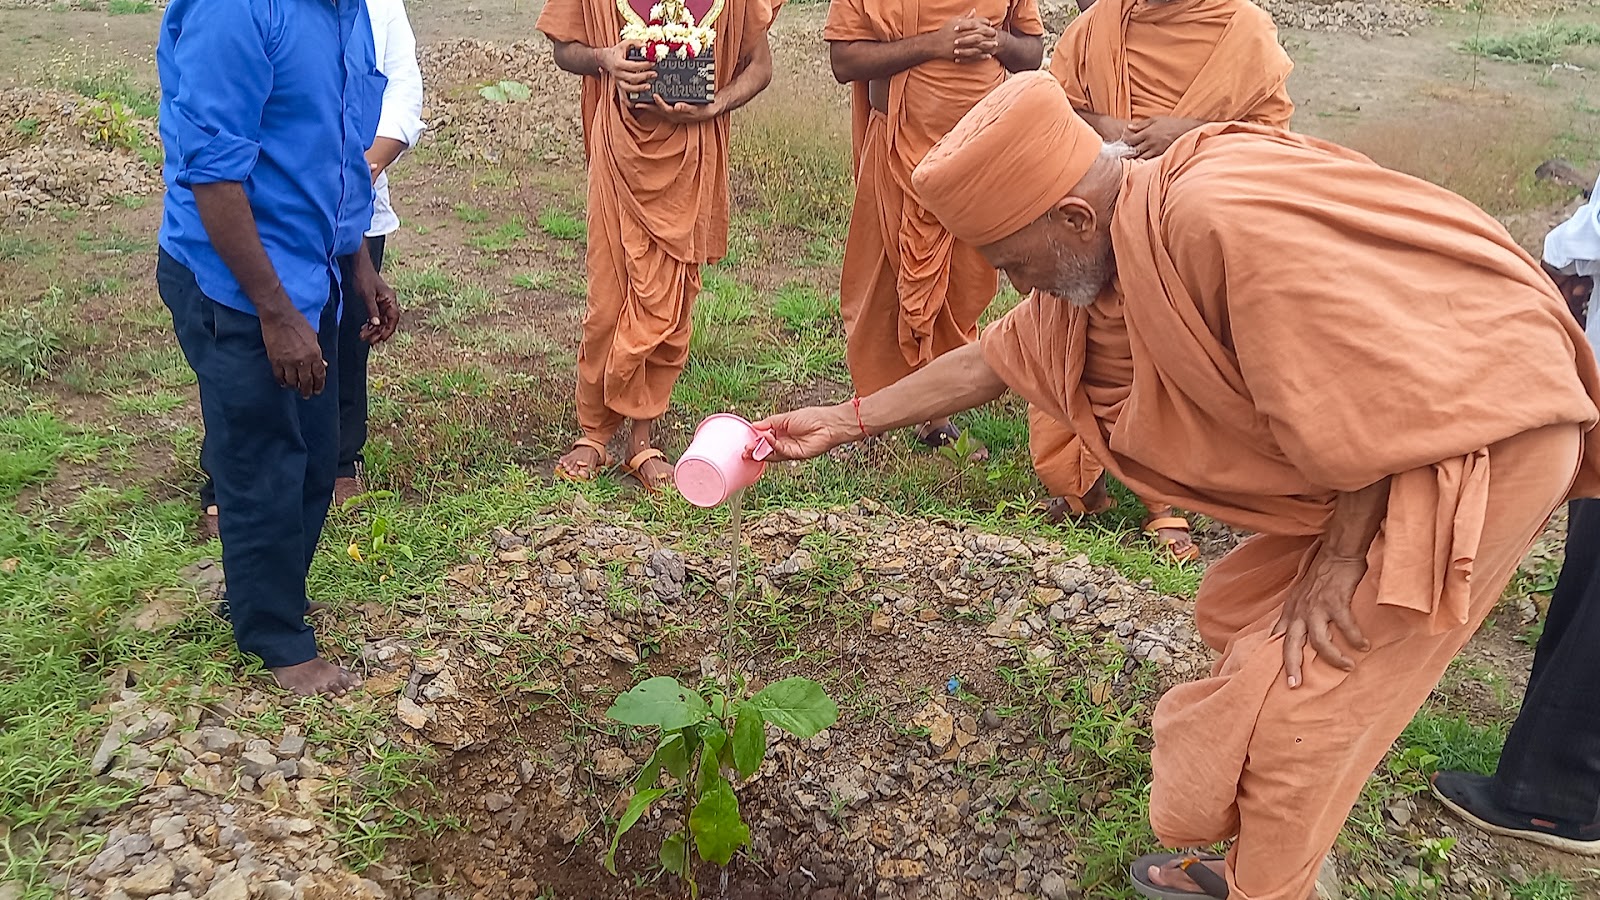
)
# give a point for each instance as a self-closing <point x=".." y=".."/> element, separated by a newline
<point x="1456" y="742"/>
<point x="563" y="226"/>
<point x="500" y="239"/>
<point x="1547" y="886"/>
<point x="129" y="7"/>
<point x="1542" y="44"/>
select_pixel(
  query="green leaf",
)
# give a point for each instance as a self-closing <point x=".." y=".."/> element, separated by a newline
<point x="749" y="740"/>
<point x="494" y="93"/>
<point x="661" y="702"/>
<point x="675" y="755"/>
<point x="515" y="90"/>
<point x="797" y="705"/>
<point x="718" y="830"/>
<point x="674" y="853"/>
<point x="710" y="755"/>
<point x="636" y="808"/>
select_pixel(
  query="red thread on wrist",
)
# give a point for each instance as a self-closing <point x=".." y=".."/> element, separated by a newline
<point x="856" y="402"/>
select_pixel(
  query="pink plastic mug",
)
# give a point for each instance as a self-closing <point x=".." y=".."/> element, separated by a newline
<point x="714" y="468"/>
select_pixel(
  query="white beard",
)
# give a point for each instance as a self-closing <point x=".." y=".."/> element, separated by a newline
<point x="1078" y="280"/>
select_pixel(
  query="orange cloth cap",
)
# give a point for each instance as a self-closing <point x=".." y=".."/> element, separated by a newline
<point x="1010" y="159"/>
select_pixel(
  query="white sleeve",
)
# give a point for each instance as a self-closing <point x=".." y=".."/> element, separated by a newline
<point x="396" y="47"/>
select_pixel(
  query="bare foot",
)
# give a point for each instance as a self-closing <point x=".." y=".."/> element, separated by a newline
<point x="581" y="463"/>
<point x="1173" y="877"/>
<point x="317" y="676"/>
<point x="1097" y="501"/>
<point x="208" y="524"/>
<point x="1177" y="541"/>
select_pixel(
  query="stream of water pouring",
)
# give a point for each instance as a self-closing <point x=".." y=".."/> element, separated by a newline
<point x="735" y="541"/>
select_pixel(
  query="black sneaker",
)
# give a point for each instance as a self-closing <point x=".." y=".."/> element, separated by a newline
<point x="1472" y="798"/>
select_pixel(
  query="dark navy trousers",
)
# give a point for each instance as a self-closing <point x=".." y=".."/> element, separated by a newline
<point x="271" y="456"/>
<point x="1550" y="767"/>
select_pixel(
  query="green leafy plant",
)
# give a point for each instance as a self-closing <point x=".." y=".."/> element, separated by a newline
<point x="382" y="547"/>
<point x="699" y="752"/>
<point x="505" y="92"/>
<point x="111" y="124"/>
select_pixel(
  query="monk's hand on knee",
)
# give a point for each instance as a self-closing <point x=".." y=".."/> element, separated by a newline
<point x="1319" y="605"/>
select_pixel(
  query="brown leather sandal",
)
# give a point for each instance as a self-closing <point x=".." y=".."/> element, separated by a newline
<point x="635" y="466"/>
<point x="599" y="465"/>
<point x="1153" y="527"/>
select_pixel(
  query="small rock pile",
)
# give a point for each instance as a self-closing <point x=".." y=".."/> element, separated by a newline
<point x="47" y="157"/>
<point x="218" y="815"/>
<point x="546" y="126"/>
<point x="1364" y="17"/>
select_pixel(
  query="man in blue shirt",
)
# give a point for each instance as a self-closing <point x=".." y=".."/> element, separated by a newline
<point x="267" y="107"/>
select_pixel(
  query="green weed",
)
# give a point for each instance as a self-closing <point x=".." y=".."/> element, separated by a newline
<point x="562" y="226"/>
<point x="500" y="239"/>
<point x="1542" y="44"/>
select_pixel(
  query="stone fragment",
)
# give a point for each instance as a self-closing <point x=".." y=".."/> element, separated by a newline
<point x="151" y="879"/>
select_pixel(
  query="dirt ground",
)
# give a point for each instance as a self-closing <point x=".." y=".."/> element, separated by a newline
<point x="996" y="681"/>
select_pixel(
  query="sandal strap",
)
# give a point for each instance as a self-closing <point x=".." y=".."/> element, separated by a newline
<point x="597" y="446"/>
<point x="643" y="456"/>
<point x="1213" y="884"/>
<point x="1164" y="522"/>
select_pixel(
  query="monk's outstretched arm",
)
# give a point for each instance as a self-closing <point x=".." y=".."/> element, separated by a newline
<point x="957" y="381"/>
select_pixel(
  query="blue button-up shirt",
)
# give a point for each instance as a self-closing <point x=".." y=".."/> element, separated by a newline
<point x="282" y="96"/>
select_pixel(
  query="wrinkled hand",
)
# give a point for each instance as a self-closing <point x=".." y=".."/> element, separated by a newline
<point x="967" y="38"/>
<point x="1151" y="137"/>
<point x="1575" y="289"/>
<point x="294" y="353"/>
<point x="633" y="76"/>
<point x="805" y="433"/>
<point x="1318" y="605"/>
<point x="685" y="113"/>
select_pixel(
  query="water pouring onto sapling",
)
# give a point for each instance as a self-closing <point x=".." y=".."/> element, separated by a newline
<point x="713" y="736"/>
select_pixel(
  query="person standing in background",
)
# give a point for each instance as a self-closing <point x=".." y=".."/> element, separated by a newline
<point x="1547" y="786"/>
<point x="266" y="109"/>
<point x="399" y="126"/>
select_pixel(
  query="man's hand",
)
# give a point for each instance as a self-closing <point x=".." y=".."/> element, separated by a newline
<point x="1318" y="604"/>
<point x="1110" y="128"/>
<point x="382" y="154"/>
<point x="383" y="307"/>
<point x="383" y="314"/>
<point x="633" y="76"/>
<point x="808" y="433"/>
<point x="1575" y="289"/>
<point x="1151" y="137"/>
<point x="295" y="355"/>
<point x="684" y="113"/>
<point x="966" y="38"/>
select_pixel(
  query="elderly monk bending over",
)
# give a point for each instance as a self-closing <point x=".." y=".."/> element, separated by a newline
<point x="1284" y="301"/>
<point x="658" y="209"/>
<point x="909" y="290"/>
<point x="1145" y="72"/>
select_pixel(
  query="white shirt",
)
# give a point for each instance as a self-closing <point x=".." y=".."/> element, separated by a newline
<point x="1574" y="248"/>
<point x="401" y="119"/>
